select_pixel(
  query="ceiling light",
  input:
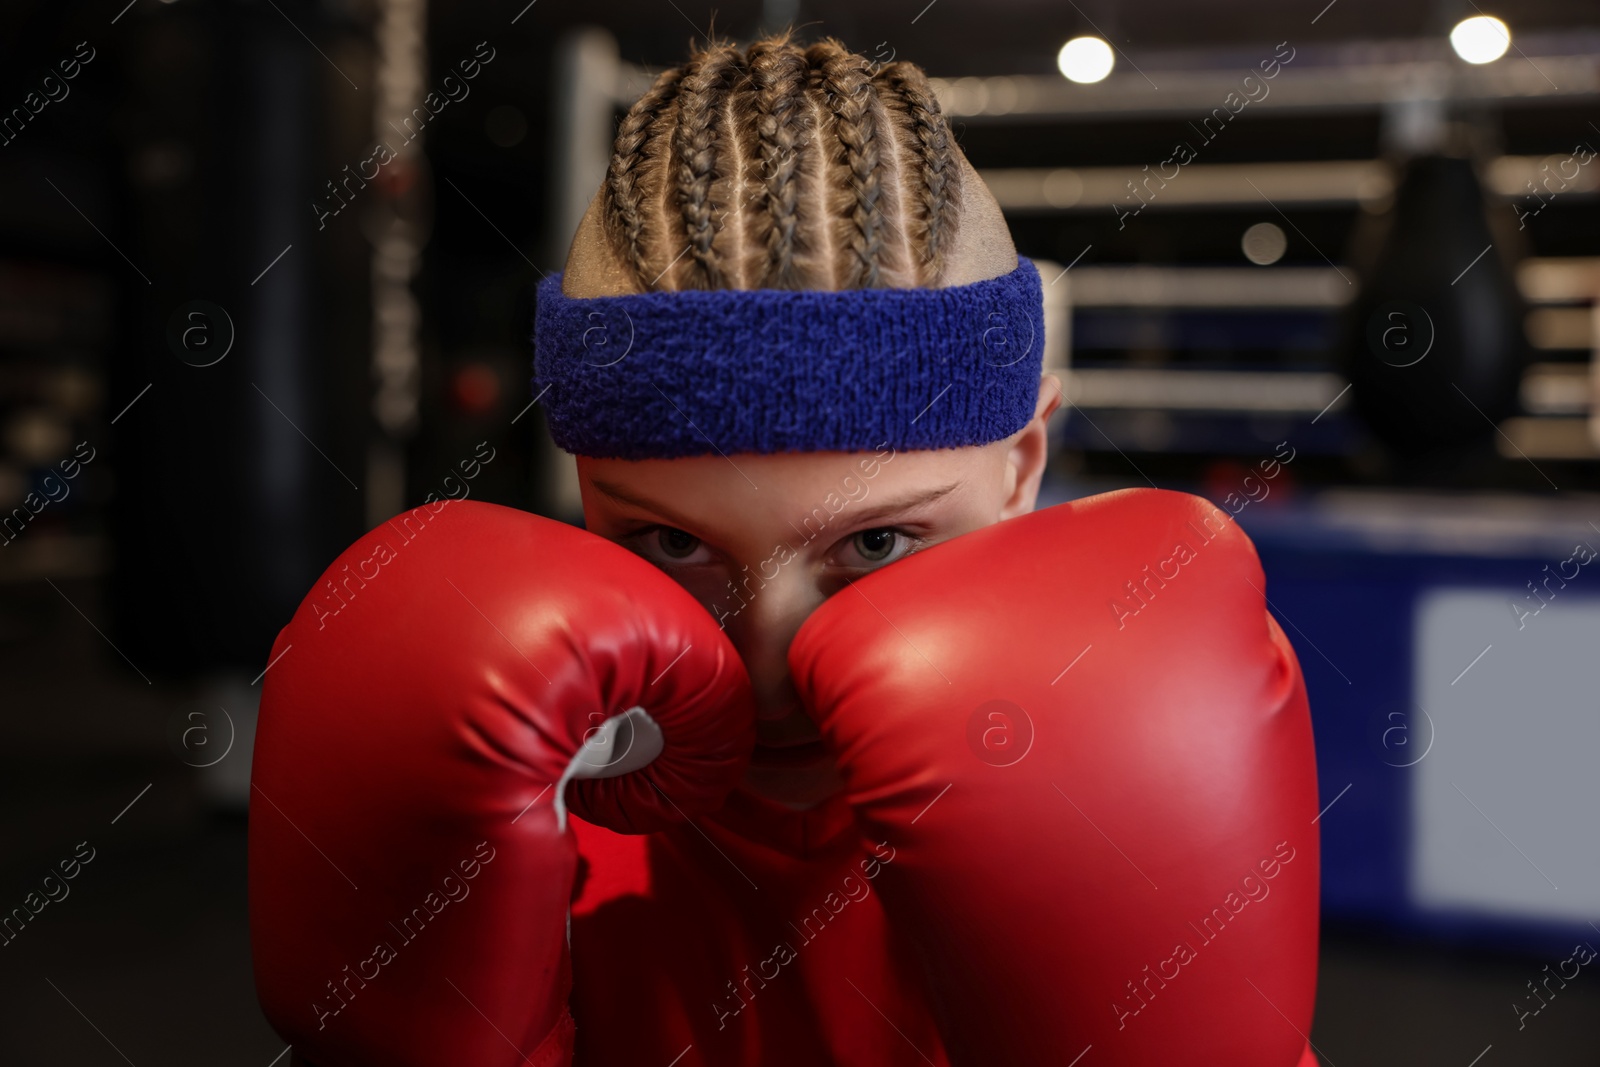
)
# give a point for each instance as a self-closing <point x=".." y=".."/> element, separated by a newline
<point x="1264" y="244"/>
<point x="1086" y="60"/>
<point x="1480" y="39"/>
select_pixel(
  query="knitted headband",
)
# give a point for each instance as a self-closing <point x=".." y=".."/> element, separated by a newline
<point x="696" y="372"/>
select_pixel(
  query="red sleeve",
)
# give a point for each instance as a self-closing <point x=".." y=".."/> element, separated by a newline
<point x="612" y="865"/>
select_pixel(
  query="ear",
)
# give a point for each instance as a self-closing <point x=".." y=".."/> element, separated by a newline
<point x="1029" y="451"/>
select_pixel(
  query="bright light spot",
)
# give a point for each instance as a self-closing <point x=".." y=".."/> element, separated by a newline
<point x="1085" y="60"/>
<point x="1264" y="244"/>
<point x="1480" y="39"/>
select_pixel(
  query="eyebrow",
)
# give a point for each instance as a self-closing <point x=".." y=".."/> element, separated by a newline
<point x="891" y="507"/>
<point x="622" y="496"/>
<point x="910" y="503"/>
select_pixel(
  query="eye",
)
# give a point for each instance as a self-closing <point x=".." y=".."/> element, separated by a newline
<point x="668" y="546"/>
<point x="875" y="547"/>
<point x="675" y="544"/>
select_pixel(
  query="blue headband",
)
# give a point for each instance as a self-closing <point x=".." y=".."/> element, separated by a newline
<point x="697" y="372"/>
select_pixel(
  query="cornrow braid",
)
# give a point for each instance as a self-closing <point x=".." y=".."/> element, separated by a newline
<point x="695" y="146"/>
<point x="845" y="80"/>
<point x="624" y="193"/>
<point x="783" y="166"/>
<point x="937" y="186"/>
<point x="778" y="80"/>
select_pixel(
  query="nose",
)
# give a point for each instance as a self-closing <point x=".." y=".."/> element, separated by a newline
<point x="765" y="656"/>
<point x="761" y="633"/>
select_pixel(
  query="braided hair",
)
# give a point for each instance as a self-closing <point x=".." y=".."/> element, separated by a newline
<point x="782" y="166"/>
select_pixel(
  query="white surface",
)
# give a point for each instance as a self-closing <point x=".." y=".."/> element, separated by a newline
<point x="620" y="745"/>
<point x="1517" y="735"/>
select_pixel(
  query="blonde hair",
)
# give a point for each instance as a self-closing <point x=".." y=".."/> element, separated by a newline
<point x="783" y="167"/>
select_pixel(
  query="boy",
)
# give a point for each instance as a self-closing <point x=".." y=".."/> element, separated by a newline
<point x="824" y="818"/>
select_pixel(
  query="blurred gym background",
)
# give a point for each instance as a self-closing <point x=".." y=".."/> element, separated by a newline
<point x="1334" y="265"/>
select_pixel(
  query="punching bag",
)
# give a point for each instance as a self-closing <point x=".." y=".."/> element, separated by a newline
<point x="231" y="489"/>
<point x="1438" y="322"/>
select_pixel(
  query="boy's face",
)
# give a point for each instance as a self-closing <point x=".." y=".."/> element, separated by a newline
<point x="704" y="520"/>
<point x="762" y="540"/>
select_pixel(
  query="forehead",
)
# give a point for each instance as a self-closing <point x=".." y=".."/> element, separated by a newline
<point x="744" y="493"/>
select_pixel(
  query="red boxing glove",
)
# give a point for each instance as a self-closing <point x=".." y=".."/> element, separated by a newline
<point x="410" y="863"/>
<point x="1090" y="746"/>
